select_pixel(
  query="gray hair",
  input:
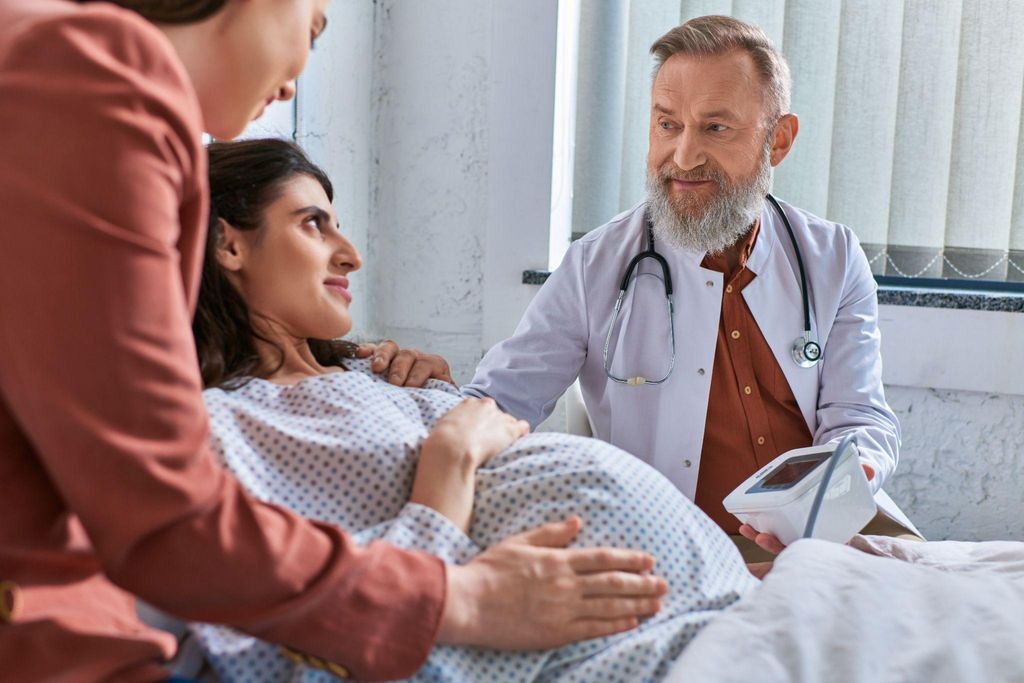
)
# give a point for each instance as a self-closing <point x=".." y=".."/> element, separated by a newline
<point x="716" y="35"/>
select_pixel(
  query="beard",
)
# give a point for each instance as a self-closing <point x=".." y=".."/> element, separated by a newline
<point x="684" y="224"/>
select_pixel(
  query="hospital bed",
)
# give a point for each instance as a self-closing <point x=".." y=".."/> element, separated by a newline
<point x="945" y="612"/>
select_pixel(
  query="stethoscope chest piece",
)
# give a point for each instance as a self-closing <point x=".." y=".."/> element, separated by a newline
<point x="806" y="351"/>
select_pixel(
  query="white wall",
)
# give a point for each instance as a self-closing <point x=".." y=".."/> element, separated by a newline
<point x="961" y="466"/>
<point x="435" y="121"/>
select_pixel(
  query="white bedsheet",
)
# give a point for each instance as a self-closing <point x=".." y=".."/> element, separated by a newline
<point x="944" y="611"/>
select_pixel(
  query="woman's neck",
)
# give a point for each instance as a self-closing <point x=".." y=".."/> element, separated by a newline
<point x="286" y="359"/>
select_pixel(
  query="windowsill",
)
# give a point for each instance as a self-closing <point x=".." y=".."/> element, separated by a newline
<point x="950" y="298"/>
<point x="889" y="295"/>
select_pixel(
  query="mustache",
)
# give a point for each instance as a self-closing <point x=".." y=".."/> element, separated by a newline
<point x="702" y="173"/>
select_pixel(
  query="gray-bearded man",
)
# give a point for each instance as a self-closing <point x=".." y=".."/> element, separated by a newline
<point x="715" y="388"/>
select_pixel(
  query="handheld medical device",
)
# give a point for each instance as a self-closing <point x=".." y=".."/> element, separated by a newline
<point x="806" y="351"/>
<point x="816" y="492"/>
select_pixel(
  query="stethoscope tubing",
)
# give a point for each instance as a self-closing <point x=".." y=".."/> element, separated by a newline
<point x="801" y="346"/>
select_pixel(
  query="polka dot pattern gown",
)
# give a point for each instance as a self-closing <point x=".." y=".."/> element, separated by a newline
<point x="343" y="448"/>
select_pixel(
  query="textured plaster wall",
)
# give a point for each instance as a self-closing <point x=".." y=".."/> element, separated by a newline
<point x="429" y="192"/>
<point x="961" y="470"/>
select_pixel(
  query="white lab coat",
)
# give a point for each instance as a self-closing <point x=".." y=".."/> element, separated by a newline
<point x="562" y="334"/>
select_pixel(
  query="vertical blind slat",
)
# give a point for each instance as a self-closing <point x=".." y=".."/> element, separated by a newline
<point x="768" y="14"/>
<point x="811" y="46"/>
<point x="867" y="84"/>
<point x="924" y="123"/>
<point x="987" y="125"/>
<point x="688" y="9"/>
<point x="1017" y="221"/>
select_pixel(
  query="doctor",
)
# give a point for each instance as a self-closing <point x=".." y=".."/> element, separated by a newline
<point x="711" y="368"/>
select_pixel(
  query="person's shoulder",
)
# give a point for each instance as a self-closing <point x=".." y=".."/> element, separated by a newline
<point x="82" y="43"/>
<point x="821" y="231"/>
<point x="629" y="219"/>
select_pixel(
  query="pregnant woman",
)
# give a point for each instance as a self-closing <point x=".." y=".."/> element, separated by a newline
<point x="304" y="424"/>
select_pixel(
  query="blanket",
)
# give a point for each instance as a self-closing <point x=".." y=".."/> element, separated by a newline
<point x="878" y="610"/>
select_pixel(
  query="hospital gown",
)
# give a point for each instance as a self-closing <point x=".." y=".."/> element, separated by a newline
<point x="343" y="448"/>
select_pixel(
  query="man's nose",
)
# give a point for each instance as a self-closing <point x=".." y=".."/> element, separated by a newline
<point x="689" y="150"/>
<point x="286" y="91"/>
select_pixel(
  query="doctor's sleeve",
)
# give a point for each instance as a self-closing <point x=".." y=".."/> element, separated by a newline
<point x="851" y="397"/>
<point x="528" y="372"/>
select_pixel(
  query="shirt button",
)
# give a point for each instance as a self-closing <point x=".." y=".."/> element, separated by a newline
<point x="700" y="371"/>
<point x="687" y="463"/>
<point x="760" y="441"/>
<point x="728" y="289"/>
<point x="746" y="390"/>
<point x="709" y="283"/>
<point x="735" y="334"/>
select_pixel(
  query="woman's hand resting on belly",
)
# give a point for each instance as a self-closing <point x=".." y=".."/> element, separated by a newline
<point x="466" y="437"/>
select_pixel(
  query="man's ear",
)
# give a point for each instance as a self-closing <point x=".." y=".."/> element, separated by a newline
<point x="231" y="248"/>
<point x="785" y="133"/>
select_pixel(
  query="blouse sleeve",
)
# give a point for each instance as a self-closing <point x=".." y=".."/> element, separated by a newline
<point x="98" y="367"/>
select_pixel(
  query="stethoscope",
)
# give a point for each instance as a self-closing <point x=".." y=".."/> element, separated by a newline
<point x="806" y="352"/>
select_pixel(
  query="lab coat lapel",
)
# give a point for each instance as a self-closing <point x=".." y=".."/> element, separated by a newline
<point x="775" y="300"/>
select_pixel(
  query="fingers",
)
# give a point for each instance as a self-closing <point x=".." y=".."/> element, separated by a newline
<point x="594" y="560"/>
<point x="401" y="364"/>
<point x="384" y="353"/>
<point x="622" y="584"/>
<point x="428" y="366"/>
<point x="766" y="541"/>
<point x="553" y="535"/>
<point x="405" y="367"/>
<point x="759" y="569"/>
<point x="770" y="543"/>
<point x="585" y="629"/>
<point x="619" y="608"/>
<point x="419" y="373"/>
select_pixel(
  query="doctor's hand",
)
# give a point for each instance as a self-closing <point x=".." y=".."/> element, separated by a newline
<point x="405" y="367"/>
<point x="529" y="592"/>
<point x="767" y="542"/>
<point x="770" y="542"/>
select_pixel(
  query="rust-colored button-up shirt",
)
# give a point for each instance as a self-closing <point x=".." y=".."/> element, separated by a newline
<point x="107" y="485"/>
<point x="752" y="413"/>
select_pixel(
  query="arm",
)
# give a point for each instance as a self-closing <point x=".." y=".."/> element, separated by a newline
<point x="95" y="176"/>
<point x="529" y="371"/>
<point x="466" y="437"/>
<point x="851" y="397"/>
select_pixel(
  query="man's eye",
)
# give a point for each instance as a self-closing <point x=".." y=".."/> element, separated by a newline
<point x="717" y="128"/>
<point x="665" y="125"/>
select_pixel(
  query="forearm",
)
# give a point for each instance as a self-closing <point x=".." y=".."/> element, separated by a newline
<point x="445" y="481"/>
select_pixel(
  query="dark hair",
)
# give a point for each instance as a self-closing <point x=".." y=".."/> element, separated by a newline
<point x="245" y="177"/>
<point x="172" y="11"/>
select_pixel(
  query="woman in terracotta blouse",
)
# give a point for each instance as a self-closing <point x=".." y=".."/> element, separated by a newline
<point x="107" y="486"/>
